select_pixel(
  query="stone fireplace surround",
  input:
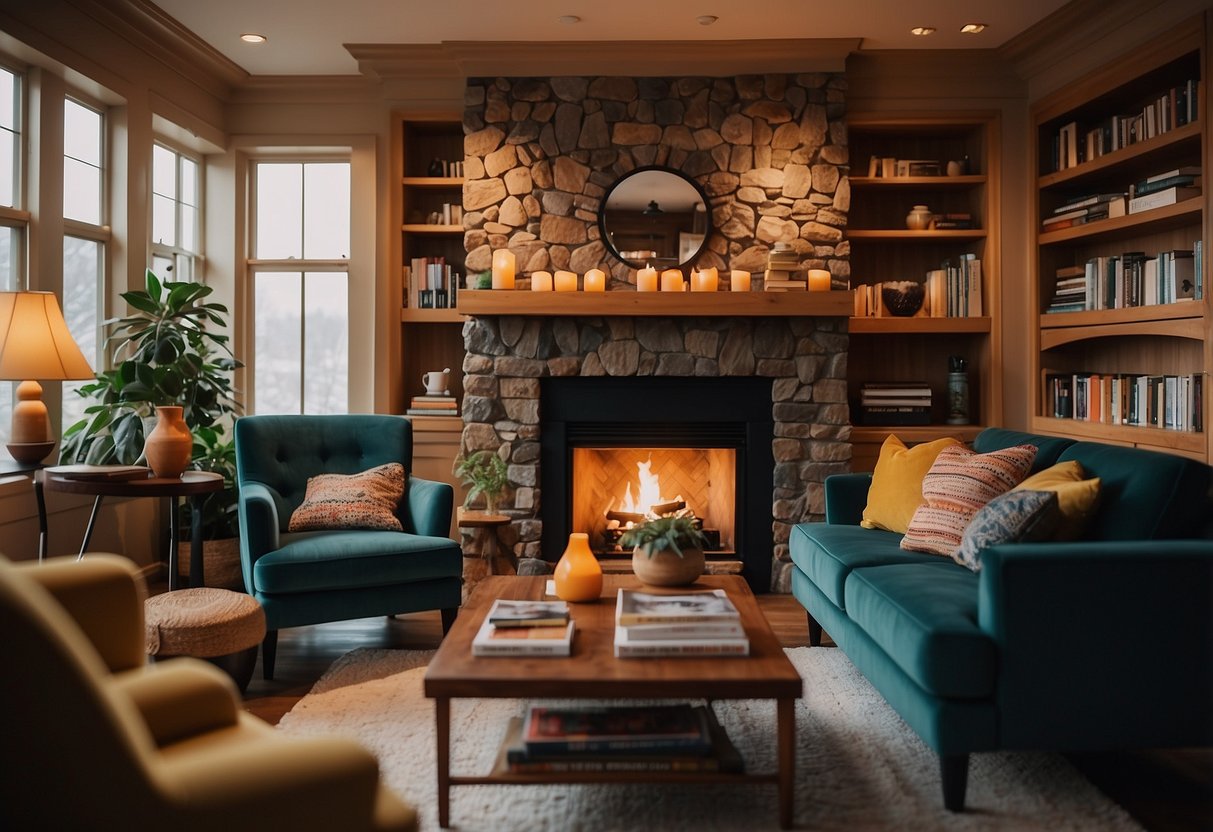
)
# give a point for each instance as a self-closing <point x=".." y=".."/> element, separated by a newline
<point x="804" y="358"/>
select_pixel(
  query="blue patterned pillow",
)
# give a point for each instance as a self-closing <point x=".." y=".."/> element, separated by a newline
<point x="1009" y="518"/>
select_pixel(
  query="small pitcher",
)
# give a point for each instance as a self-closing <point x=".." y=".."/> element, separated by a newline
<point x="436" y="382"/>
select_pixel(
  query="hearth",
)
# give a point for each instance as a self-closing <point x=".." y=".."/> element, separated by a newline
<point x="706" y="441"/>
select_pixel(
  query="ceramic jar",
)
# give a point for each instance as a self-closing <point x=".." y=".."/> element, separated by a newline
<point x="666" y="568"/>
<point x="919" y="218"/>
<point x="170" y="446"/>
<point x="578" y="573"/>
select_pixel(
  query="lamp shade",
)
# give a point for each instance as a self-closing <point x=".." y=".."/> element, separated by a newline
<point x="35" y="342"/>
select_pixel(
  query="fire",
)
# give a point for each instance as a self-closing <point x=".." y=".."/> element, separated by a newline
<point x="649" y="493"/>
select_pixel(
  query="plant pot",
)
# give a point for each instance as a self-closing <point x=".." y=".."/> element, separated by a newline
<point x="666" y="568"/>
<point x="170" y="446"/>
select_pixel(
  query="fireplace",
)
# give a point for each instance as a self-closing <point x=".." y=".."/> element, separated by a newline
<point x="707" y="442"/>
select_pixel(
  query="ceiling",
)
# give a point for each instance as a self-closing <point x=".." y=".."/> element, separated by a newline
<point x="306" y="37"/>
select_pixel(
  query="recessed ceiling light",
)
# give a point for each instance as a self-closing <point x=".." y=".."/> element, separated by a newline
<point x="252" y="37"/>
<point x="568" y="19"/>
<point x="706" y="19"/>
<point x="922" y="30"/>
<point x="973" y="28"/>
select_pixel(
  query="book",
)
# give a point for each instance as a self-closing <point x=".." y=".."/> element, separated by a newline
<point x="513" y="614"/>
<point x="635" y="607"/>
<point x="1185" y="170"/>
<point x="435" y="404"/>
<point x="100" y="473"/>
<point x="1086" y="201"/>
<point x="1148" y="187"/>
<point x="429" y="411"/>
<point x="612" y="728"/>
<point x="523" y="641"/>
<point x="1169" y="196"/>
<point x="697" y="630"/>
<point x="627" y="647"/>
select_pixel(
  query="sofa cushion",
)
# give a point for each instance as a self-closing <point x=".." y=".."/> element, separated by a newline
<point x="896" y="489"/>
<point x="1048" y="448"/>
<point x="924" y="616"/>
<point x="1076" y="497"/>
<point x="958" y="484"/>
<point x="1014" y="517"/>
<point x="1143" y="494"/>
<point x="366" y="500"/>
<point x="827" y="553"/>
<point x="319" y="561"/>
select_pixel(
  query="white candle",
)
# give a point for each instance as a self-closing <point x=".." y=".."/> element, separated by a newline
<point x="541" y="282"/>
<point x="595" y="280"/>
<point x="646" y="280"/>
<point x="503" y="269"/>
<point x="671" y="281"/>
<point x="739" y="281"/>
<point x="566" y="281"/>
<point x="705" y="280"/>
<point x="819" y="280"/>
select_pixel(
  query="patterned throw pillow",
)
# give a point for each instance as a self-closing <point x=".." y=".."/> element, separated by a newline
<point x="1013" y="517"/>
<point x="959" y="483"/>
<point x="352" y="501"/>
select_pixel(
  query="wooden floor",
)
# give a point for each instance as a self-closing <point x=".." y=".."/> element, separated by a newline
<point x="1167" y="791"/>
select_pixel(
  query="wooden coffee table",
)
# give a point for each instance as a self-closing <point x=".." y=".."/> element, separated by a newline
<point x="593" y="672"/>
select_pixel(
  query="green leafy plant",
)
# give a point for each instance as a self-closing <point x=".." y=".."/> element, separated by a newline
<point x="485" y="473"/>
<point x="673" y="532"/>
<point x="164" y="354"/>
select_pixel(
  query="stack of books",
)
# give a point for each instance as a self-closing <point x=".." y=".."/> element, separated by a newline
<point x="783" y="270"/>
<point x="1070" y="292"/>
<point x="1085" y="209"/>
<point x="691" y="624"/>
<point x="100" y="473"/>
<point x="1166" y="188"/>
<point x="619" y="738"/>
<point x="433" y="406"/>
<point x="525" y="628"/>
<point x="895" y="403"/>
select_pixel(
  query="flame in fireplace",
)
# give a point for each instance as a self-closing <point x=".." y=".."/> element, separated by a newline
<point x="649" y="492"/>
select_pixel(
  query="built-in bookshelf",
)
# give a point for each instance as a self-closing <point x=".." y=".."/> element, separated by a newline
<point x="1121" y="215"/>
<point x="948" y="162"/>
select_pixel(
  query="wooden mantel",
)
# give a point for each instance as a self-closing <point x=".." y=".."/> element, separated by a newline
<point x="656" y="304"/>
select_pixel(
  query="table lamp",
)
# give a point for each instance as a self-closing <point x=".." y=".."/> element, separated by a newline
<point x="35" y="344"/>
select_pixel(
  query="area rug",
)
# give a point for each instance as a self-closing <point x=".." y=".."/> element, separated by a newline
<point x="858" y="765"/>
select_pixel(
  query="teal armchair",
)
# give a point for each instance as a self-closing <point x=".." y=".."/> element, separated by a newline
<point x="335" y="575"/>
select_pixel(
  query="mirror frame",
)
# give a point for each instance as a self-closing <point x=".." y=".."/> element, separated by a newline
<point x="609" y="243"/>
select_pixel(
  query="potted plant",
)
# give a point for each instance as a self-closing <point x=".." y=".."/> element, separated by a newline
<point x="164" y="354"/>
<point x="668" y="550"/>
<point x="484" y="472"/>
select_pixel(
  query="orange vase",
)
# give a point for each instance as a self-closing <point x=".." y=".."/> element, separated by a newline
<point x="169" y="447"/>
<point x="578" y="574"/>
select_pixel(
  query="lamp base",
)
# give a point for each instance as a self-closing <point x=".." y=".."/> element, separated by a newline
<point x="30" y="453"/>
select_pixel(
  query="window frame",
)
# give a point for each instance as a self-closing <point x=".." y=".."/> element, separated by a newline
<point x="178" y="253"/>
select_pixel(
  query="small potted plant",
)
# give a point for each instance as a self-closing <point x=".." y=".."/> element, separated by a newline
<point x="667" y="551"/>
<point x="484" y="472"/>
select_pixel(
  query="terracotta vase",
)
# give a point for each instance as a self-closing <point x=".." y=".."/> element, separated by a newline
<point x="169" y="447"/>
<point x="578" y="573"/>
<point x="666" y="568"/>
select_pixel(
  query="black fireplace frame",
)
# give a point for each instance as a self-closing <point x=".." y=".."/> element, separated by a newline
<point x="673" y="412"/>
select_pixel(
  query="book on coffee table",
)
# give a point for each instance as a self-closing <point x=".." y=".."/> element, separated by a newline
<point x="634" y="729"/>
<point x="634" y="607"/>
<point x="523" y="641"/>
<point x="507" y="613"/>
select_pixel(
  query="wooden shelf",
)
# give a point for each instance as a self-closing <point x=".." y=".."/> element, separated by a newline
<point x="1172" y="440"/>
<point x="656" y="304"/>
<point x="436" y="182"/>
<point x="1099" y="317"/>
<point x="1123" y="157"/>
<point x="900" y="326"/>
<point x="1192" y="328"/>
<point x="1130" y="225"/>
<point x="918" y="182"/>
<point x="426" y="228"/>
<point x="433" y="316"/>
<point x="904" y="235"/>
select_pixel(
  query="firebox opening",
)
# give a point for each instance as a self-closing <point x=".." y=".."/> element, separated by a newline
<point x="614" y="487"/>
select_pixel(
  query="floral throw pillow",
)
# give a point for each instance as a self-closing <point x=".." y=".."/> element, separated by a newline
<point x="367" y="500"/>
<point x="1009" y="518"/>
<point x="959" y="483"/>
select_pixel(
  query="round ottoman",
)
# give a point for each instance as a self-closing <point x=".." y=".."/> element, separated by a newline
<point x="218" y="625"/>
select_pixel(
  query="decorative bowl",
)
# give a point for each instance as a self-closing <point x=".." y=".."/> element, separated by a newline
<point x="902" y="299"/>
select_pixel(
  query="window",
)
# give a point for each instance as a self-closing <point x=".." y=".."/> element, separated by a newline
<point x="300" y="278"/>
<point x="14" y="221"/>
<point x="175" y="214"/>
<point x="84" y="240"/>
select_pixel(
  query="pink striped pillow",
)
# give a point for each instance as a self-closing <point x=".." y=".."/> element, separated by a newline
<point x="959" y="483"/>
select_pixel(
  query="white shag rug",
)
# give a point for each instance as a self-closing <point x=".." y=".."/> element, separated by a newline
<point x="858" y="765"/>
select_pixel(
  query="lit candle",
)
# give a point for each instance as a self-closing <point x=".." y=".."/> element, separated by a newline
<point x="541" y="282"/>
<point x="646" y="280"/>
<point x="705" y="280"/>
<point x="503" y="269"/>
<point x="566" y="281"/>
<point x="739" y="281"/>
<point x="819" y="280"/>
<point x="595" y="280"/>
<point x="671" y="281"/>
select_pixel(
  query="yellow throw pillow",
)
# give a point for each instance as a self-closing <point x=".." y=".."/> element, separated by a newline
<point x="896" y="490"/>
<point x="1077" y="497"/>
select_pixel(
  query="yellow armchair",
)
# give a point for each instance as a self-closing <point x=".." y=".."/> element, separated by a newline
<point x="97" y="738"/>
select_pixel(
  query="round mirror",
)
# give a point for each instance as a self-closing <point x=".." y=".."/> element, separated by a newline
<point x="655" y="216"/>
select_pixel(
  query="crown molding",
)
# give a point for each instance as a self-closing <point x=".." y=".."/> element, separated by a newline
<point x="286" y="89"/>
<point x="638" y="58"/>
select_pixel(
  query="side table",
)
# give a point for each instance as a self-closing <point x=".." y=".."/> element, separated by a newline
<point x="485" y="528"/>
<point x="193" y="484"/>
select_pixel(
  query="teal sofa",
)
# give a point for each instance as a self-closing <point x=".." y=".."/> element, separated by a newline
<point x="1100" y="643"/>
